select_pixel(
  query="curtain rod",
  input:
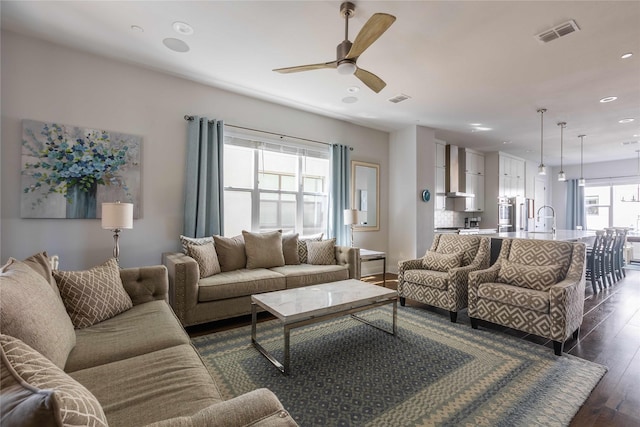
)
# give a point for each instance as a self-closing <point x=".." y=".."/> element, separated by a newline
<point x="190" y="118"/>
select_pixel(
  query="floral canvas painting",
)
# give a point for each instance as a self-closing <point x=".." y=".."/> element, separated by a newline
<point x="69" y="171"/>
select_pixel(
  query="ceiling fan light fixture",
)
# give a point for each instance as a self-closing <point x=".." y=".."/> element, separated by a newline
<point x="347" y="68"/>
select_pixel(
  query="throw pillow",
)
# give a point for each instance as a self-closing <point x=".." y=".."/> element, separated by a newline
<point x="302" y="245"/>
<point x="37" y="392"/>
<point x="536" y="277"/>
<point x="441" y="262"/>
<point x="264" y="250"/>
<point x="322" y="253"/>
<point x="41" y="264"/>
<point x="93" y="295"/>
<point x="230" y="252"/>
<point x="186" y="241"/>
<point x="31" y="312"/>
<point x="206" y="257"/>
<point x="290" y="249"/>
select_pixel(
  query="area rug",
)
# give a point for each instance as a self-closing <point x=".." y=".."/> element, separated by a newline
<point x="433" y="372"/>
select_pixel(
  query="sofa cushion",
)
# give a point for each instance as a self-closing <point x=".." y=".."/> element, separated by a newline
<point x="36" y="392"/>
<point x="206" y="257"/>
<point x="231" y="253"/>
<point x="239" y="283"/>
<point x="151" y="387"/>
<point x="31" y="311"/>
<point x="541" y="252"/>
<point x="142" y="329"/>
<point x="290" y="249"/>
<point x="302" y="245"/>
<point x="307" y="274"/>
<point x="93" y="295"/>
<point x="431" y="278"/>
<point x="264" y="250"/>
<point x="440" y="261"/>
<point x="41" y="264"/>
<point x="186" y="241"/>
<point x="537" y="277"/>
<point x="322" y="253"/>
<point x="515" y="296"/>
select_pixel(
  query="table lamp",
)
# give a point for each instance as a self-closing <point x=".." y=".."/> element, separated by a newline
<point x="116" y="217"/>
<point x="350" y="218"/>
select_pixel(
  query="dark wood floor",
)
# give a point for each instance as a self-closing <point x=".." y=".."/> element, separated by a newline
<point x="610" y="335"/>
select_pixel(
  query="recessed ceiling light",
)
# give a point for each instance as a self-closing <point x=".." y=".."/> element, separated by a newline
<point x="627" y="55"/>
<point x="475" y="124"/>
<point x="182" y="28"/>
<point x="349" y="99"/>
<point x="353" y="89"/>
<point x="480" y="129"/>
<point x="176" y="45"/>
<point x="627" y="120"/>
<point x="608" y="99"/>
<point x="137" y="29"/>
<point x="636" y="135"/>
<point x="506" y="142"/>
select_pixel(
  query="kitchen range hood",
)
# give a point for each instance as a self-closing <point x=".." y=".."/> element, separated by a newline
<point x="454" y="178"/>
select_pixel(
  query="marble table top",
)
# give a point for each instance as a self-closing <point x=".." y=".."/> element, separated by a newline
<point x="564" y="235"/>
<point x="291" y="305"/>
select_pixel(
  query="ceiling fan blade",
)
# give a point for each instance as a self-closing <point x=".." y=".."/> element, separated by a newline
<point x="374" y="28"/>
<point x="374" y="82"/>
<point x="332" y="64"/>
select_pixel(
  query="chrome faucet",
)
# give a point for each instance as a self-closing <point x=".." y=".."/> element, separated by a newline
<point x="553" y="215"/>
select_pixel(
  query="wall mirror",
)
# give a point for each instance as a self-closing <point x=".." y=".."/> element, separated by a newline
<point x="365" y="195"/>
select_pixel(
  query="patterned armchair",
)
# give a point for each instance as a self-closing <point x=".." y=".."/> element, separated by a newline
<point x="535" y="286"/>
<point x="440" y="277"/>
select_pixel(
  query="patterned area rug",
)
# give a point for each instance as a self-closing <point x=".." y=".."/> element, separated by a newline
<point x="434" y="372"/>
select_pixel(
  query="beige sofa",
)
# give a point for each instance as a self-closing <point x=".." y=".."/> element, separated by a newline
<point x="139" y="365"/>
<point x="198" y="300"/>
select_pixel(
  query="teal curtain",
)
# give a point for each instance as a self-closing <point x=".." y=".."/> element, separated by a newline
<point x="575" y="206"/>
<point x="339" y="197"/>
<point x="204" y="192"/>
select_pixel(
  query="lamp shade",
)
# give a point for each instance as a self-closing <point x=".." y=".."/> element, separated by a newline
<point x="117" y="215"/>
<point x="350" y="216"/>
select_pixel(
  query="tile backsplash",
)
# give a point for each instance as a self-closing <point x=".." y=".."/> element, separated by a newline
<point x="450" y="218"/>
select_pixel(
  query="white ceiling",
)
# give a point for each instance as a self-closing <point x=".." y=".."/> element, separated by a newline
<point x="460" y="62"/>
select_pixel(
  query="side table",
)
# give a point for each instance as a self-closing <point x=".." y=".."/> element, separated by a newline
<point x="369" y="255"/>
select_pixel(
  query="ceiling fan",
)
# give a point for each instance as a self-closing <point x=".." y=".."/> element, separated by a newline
<point x="348" y="53"/>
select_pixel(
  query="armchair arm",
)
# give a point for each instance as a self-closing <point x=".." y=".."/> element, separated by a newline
<point x="184" y="276"/>
<point x="410" y="264"/>
<point x="258" y="408"/>
<point x="346" y="255"/>
<point x="475" y="279"/>
<point x="146" y="284"/>
<point x="567" y="297"/>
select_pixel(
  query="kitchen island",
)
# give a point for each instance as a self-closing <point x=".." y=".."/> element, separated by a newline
<point x="585" y="236"/>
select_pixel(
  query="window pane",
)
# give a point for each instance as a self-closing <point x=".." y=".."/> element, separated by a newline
<point x="314" y="219"/>
<point x="235" y="176"/>
<point x="237" y="212"/>
<point x="277" y="211"/>
<point x="268" y="181"/>
<point x="268" y="214"/>
<point x="288" y="183"/>
<point x="627" y="213"/>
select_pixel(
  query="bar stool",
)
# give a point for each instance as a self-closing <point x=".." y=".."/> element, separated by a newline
<point x="607" y="258"/>
<point x="621" y="241"/>
<point x="593" y="267"/>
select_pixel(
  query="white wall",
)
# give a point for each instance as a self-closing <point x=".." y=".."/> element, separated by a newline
<point x="601" y="171"/>
<point x="46" y="82"/>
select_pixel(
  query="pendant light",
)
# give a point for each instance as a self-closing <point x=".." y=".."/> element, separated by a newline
<point x="542" y="170"/>
<point x="581" y="181"/>
<point x="561" y="175"/>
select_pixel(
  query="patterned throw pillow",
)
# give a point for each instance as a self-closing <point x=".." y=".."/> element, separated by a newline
<point x="536" y="277"/>
<point x="37" y="392"/>
<point x="186" y="241"/>
<point x="231" y="253"/>
<point x="206" y="257"/>
<point x="441" y="262"/>
<point x="264" y="250"/>
<point x="31" y="311"/>
<point x="290" y="249"/>
<point x="93" y="295"/>
<point x="302" y="245"/>
<point x="322" y="253"/>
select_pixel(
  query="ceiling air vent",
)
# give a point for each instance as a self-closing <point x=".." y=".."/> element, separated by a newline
<point x="558" y="31"/>
<point x="399" y="98"/>
<point x="629" y="142"/>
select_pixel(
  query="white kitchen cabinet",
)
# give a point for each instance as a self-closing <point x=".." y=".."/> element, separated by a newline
<point x="512" y="176"/>
<point x="474" y="163"/>
<point x="440" y="189"/>
<point x="441" y="159"/>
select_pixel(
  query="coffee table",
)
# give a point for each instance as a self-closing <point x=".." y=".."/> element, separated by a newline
<point x="311" y="304"/>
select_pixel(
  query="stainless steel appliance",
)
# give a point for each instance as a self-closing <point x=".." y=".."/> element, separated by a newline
<point x="505" y="214"/>
<point x="515" y="214"/>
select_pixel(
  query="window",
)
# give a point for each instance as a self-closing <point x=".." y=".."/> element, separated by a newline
<point x="612" y="205"/>
<point x="271" y="186"/>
